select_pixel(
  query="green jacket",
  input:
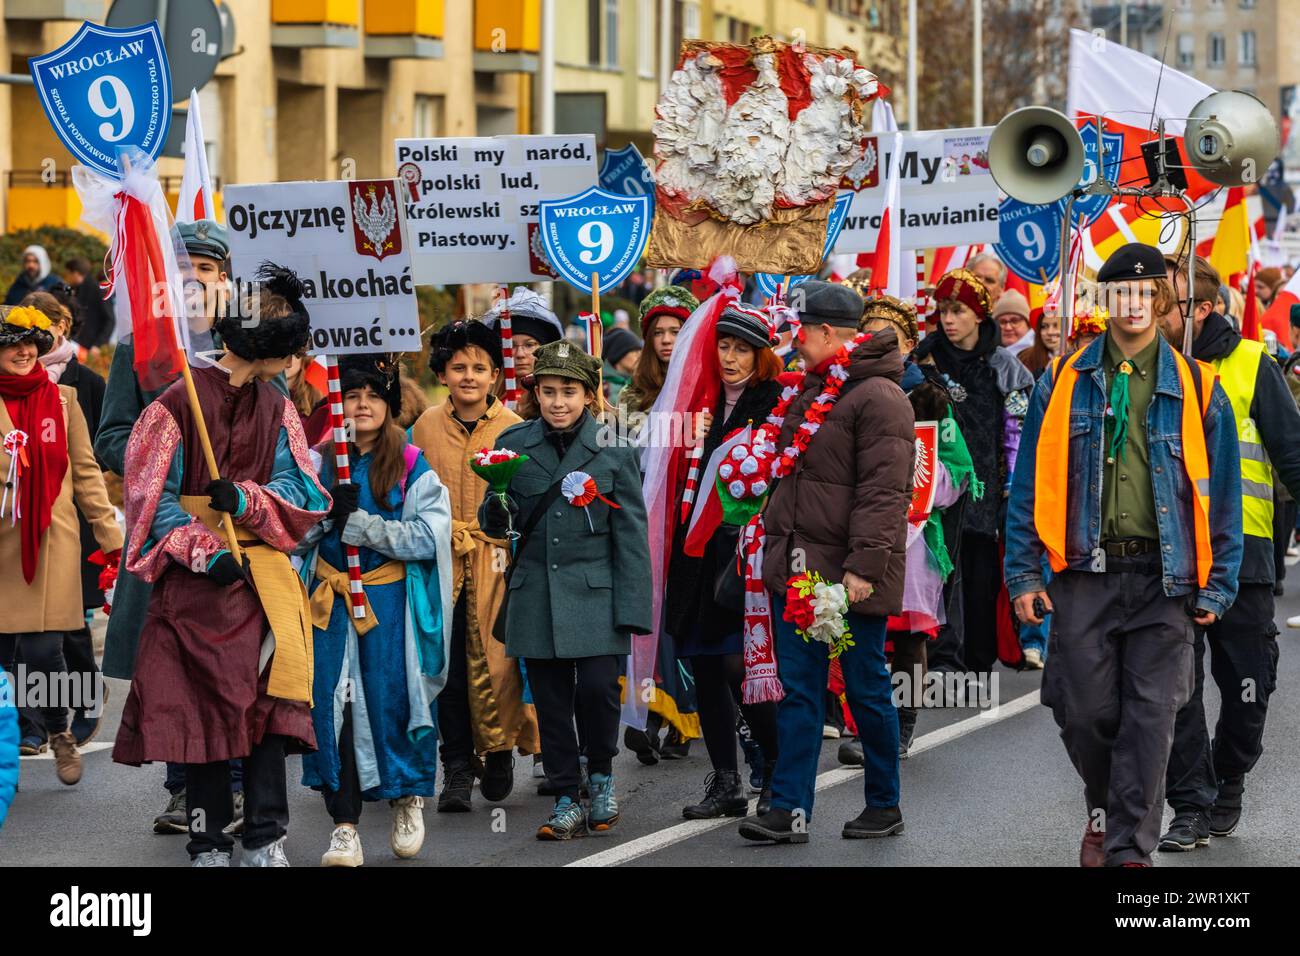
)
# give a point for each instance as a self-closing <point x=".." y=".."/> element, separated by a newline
<point x="579" y="589"/>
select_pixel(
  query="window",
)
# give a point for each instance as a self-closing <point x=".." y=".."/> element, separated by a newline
<point x="1246" y="48"/>
<point x="593" y="32"/>
<point x="645" y="38"/>
<point x="423" y="123"/>
<point x="1186" y="51"/>
<point x="1246" y="4"/>
<point x="1218" y="50"/>
<point x="611" y="33"/>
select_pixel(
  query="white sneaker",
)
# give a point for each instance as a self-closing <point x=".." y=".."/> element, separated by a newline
<point x="408" y="827"/>
<point x="270" y="855"/>
<point x="1293" y="621"/>
<point x="211" y="858"/>
<point x="830" y="732"/>
<point x="345" y="848"/>
<point x="1033" y="659"/>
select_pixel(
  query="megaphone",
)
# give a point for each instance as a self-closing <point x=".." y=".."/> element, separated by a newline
<point x="1231" y="138"/>
<point x="1036" y="155"/>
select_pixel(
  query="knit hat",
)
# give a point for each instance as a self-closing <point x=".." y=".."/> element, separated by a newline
<point x="529" y="315"/>
<point x="380" y="372"/>
<point x="24" y="323"/>
<point x="751" y="325"/>
<point x="459" y="334"/>
<point x="671" y="300"/>
<point x="891" y="309"/>
<point x="567" y="360"/>
<point x="616" y="343"/>
<point x="964" y="286"/>
<point x="1012" y="302"/>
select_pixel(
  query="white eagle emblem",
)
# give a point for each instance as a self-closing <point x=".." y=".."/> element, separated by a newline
<point x="861" y="171"/>
<point x="921" y="470"/>
<point x="375" y="223"/>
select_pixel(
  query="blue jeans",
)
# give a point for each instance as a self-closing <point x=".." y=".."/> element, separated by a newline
<point x="1035" y="635"/>
<point x="804" y="667"/>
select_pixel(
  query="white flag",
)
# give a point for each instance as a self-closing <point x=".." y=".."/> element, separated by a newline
<point x="195" y="201"/>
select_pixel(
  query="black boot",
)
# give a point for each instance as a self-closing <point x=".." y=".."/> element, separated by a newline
<point x="765" y="796"/>
<point x="498" y="777"/>
<point x="458" y="782"/>
<point x="723" y="797"/>
<point x="874" y="822"/>
<point x="1190" y="829"/>
<point x="675" y="747"/>
<point x="1226" y="812"/>
<point x="906" y="729"/>
<point x="775" y="826"/>
<point x="850" y="753"/>
<point x="643" y="745"/>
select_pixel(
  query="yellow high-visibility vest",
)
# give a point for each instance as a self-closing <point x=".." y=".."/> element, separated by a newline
<point x="1238" y="372"/>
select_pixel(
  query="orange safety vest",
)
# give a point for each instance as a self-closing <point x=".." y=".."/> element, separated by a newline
<point x="1052" y="460"/>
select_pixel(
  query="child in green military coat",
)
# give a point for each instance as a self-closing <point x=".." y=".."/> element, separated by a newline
<point x="579" y="584"/>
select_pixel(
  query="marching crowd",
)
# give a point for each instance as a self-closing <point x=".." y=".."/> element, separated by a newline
<point x="1102" y="507"/>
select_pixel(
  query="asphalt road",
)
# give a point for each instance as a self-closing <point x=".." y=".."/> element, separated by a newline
<point x="982" y="788"/>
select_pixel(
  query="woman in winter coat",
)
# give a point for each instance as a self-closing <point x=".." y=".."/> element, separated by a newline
<point x="48" y="463"/>
<point x="375" y="679"/>
<point x="705" y="632"/>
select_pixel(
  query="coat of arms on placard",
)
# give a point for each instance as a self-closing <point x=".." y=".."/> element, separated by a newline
<point x="865" y="173"/>
<point x="374" y="218"/>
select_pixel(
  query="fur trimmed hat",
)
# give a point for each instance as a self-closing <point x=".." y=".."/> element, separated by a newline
<point x="272" y="321"/>
<point x="461" y="334"/>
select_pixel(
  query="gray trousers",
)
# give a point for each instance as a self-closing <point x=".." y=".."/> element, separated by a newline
<point x="1119" y="666"/>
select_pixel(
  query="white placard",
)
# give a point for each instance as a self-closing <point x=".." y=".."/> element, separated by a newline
<point x="346" y="239"/>
<point x="472" y="202"/>
<point x="948" y="196"/>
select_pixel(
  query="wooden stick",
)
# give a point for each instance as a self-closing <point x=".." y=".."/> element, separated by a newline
<point x="196" y="410"/>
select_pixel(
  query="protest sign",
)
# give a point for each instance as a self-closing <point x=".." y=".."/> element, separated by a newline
<point x="623" y="171"/>
<point x="346" y="239"/>
<point x="105" y="90"/>
<point x="1030" y="239"/>
<point x="594" y="239"/>
<point x="948" y="196"/>
<point x="472" y="203"/>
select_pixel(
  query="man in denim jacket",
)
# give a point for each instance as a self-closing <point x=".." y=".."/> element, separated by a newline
<point x="1137" y="502"/>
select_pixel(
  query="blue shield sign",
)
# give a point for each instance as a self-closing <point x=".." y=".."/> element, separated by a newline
<point x="105" y="90"/>
<point x="626" y="173"/>
<point x="595" y="232"/>
<point x="1030" y="239"/>
<point x="767" y="281"/>
<point x="1092" y="207"/>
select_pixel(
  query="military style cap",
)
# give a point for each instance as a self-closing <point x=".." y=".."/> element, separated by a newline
<point x="1134" y="261"/>
<point x="206" y="237"/>
<point x="567" y="360"/>
<point x="829" y="303"/>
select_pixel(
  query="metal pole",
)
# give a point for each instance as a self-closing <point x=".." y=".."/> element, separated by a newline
<point x="1123" y="22"/>
<point x="17" y="79"/>
<point x="912" y="105"/>
<point x="546" y="72"/>
<point x="977" y="62"/>
<point x="665" y="43"/>
<point x="1067" y="301"/>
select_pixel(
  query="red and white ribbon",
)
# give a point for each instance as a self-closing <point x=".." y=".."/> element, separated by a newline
<point x="580" y="490"/>
<point x="15" y="445"/>
<point x="343" y="472"/>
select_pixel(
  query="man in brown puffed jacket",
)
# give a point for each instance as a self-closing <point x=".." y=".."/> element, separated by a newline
<point x="842" y="513"/>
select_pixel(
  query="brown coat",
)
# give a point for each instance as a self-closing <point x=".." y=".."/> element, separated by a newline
<point x="52" y="602"/>
<point x="846" y="503"/>
<point x="501" y="719"/>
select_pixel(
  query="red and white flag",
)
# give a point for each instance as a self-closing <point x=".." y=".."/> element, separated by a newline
<point x="706" y="516"/>
<point x="887" y="260"/>
<point x="195" y="201"/>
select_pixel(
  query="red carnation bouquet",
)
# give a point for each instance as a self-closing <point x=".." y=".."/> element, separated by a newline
<point x="497" y="467"/>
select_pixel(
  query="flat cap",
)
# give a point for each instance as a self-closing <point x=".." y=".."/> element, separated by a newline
<point x="1135" y="261"/>
<point x="206" y="237"/>
<point x="829" y="303"/>
<point x="567" y="360"/>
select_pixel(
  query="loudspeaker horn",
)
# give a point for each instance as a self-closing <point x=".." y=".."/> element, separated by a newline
<point x="1231" y="138"/>
<point x="1036" y="155"/>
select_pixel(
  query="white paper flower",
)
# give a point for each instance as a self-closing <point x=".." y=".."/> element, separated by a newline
<point x="759" y="488"/>
<point x="737" y="489"/>
<point x="738" y="453"/>
<point x="749" y="466"/>
<point x="725" y="471"/>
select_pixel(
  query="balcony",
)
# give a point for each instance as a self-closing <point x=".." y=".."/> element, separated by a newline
<point x="410" y="29"/>
<point x="315" y="23"/>
<point x="507" y="35"/>
<point x="33" y="202"/>
<point x="54" y="10"/>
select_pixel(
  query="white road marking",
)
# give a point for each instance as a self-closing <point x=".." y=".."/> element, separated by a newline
<point x="89" y="748"/>
<point x="662" y="839"/>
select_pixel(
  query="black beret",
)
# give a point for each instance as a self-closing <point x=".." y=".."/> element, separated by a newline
<point x="829" y="303"/>
<point x="1134" y="261"/>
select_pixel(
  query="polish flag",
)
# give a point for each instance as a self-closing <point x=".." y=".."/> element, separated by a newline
<point x="1278" y="315"/>
<point x="947" y="258"/>
<point x="887" y="260"/>
<point x="317" y="374"/>
<point x="195" y="199"/>
<point x="1250" y="328"/>
<point x="706" y="516"/>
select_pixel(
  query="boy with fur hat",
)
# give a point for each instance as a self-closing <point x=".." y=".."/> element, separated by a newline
<point x="203" y="690"/>
<point x="579" y="584"/>
<point x="481" y="710"/>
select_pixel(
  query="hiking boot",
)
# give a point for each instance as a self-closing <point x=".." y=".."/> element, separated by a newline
<point x="175" y="818"/>
<point x="344" y="848"/>
<point x="874" y="822"/>
<point x="639" y="742"/>
<point x="850" y="753"/>
<point x="1189" y="829"/>
<point x="67" y="761"/>
<point x="604" y="805"/>
<point x="498" y="777"/>
<point x="270" y="855"/>
<point x="1225" y="814"/>
<point x="1091" y="850"/>
<point x="775" y="826"/>
<point x="408" y="827"/>
<point x="565" y="822"/>
<point x="31" y="746"/>
<point x="456" y="789"/>
<point x="906" y="730"/>
<point x="211" y="858"/>
<point x="723" y="797"/>
<point x="236" y="825"/>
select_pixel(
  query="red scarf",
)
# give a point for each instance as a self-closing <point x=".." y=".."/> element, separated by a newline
<point x="34" y="406"/>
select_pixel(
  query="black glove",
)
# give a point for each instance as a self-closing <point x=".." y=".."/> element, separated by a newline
<point x="346" y="498"/>
<point x="224" y="495"/>
<point x="501" y="515"/>
<point x="226" y="570"/>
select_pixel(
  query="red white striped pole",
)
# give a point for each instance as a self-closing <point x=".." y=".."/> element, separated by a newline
<point x="921" y="298"/>
<point x="343" y="471"/>
<point x="694" y="456"/>
<point x="508" y="352"/>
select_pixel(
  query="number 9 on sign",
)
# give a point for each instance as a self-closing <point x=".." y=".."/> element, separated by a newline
<point x="121" y="106"/>
<point x="595" y="233"/>
<point x="597" y="240"/>
<point x="1030" y="237"/>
